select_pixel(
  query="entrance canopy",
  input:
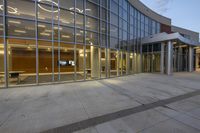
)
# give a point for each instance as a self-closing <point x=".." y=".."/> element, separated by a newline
<point x="162" y="37"/>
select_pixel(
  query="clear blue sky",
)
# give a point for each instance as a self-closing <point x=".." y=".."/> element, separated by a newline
<point x="184" y="13"/>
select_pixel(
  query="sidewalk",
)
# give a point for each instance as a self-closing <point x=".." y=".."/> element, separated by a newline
<point x="41" y="108"/>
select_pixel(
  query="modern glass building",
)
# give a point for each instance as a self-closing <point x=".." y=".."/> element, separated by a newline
<point x="52" y="41"/>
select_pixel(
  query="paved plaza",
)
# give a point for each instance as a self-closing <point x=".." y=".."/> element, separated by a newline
<point x="141" y="103"/>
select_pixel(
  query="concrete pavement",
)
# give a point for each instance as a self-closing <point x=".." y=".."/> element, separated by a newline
<point x="42" y="108"/>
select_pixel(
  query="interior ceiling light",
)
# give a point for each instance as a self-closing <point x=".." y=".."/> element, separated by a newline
<point x="10" y="9"/>
<point x="65" y="36"/>
<point x="50" y="2"/>
<point x="14" y="22"/>
<point x="20" y="31"/>
<point x="45" y="34"/>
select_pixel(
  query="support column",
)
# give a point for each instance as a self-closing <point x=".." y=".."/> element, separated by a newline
<point x="180" y="59"/>
<point x="191" y="59"/>
<point x="169" y="58"/>
<point x="94" y="62"/>
<point x="162" y="53"/>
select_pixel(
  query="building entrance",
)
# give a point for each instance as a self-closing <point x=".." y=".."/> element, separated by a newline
<point x="151" y="58"/>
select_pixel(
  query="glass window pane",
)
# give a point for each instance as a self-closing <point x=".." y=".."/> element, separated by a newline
<point x="103" y="3"/>
<point x="80" y="62"/>
<point x="103" y="14"/>
<point x="1" y="62"/>
<point x="103" y="27"/>
<point x="113" y="19"/>
<point x="1" y="7"/>
<point x="67" y="55"/>
<point x="113" y="31"/>
<point x="94" y="1"/>
<point x="45" y="31"/>
<point x="114" y="43"/>
<point x="21" y="28"/>
<point x="103" y="63"/>
<point x="21" y="8"/>
<point x="103" y="40"/>
<point x="79" y="21"/>
<point x="44" y="12"/>
<point x="66" y="18"/>
<point x="113" y="63"/>
<point x="66" y="34"/>
<point x="45" y="61"/>
<point x="92" y="24"/>
<point x="79" y="36"/>
<point x="1" y="26"/>
<point x="91" y="38"/>
<point x="91" y="9"/>
<point x="21" y="61"/>
<point x="68" y="4"/>
<point x="114" y="7"/>
<point x="79" y="6"/>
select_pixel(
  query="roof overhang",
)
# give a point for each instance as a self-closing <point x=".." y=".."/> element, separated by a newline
<point x="163" y="37"/>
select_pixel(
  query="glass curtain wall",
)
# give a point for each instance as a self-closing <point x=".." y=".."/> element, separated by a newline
<point x="181" y="57"/>
<point x="69" y="40"/>
<point x="151" y="58"/>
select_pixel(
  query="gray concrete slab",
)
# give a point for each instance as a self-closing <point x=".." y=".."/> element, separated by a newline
<point x="170" y="126"/>
<point x="39" y="108"/>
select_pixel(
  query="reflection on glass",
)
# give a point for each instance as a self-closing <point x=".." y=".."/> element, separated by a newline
<point x="131" y="63"/>
<point x="21" y="61"/>
<point x="92" y="24"/>
<point x="21" y="8"/>
<point x="1" y="6"/>
<point x="45" y="12"/>
<point x="80" y="62"/>
<point x="21" y="28"/>
<point x="45" y="61"/>
<point x="113" y="63"/>
<point x="113" y="42"/>
<point x="68" y="4"/>
<point x="67" y="55"/>
<point x="103" y="63"/>
<point x="1" y="63"/>
<point x="66" y="17"/>
<point x="66" y="34"/>
<point x="44" y="31"/>
<point x="79" y="21"/>
<point x="91" y="9"/>
<point x="79" y="6"/>
<point x="91" y="38"/>
<point x="1" y="26"/>
<point x="79" y="36"/>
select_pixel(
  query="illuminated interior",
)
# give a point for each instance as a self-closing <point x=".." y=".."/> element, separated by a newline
<point x="63" y="40"/>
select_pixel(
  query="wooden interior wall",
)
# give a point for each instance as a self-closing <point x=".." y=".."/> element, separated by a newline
<point x="24" y="60"/>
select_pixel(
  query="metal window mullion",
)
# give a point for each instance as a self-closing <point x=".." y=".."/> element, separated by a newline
<point x="119" y="47"/>
<point x="100" y="40"/>
<point x="75" y="67"/>
<point x="84" y="47"/>
<point x="5" y="44"/>
<point x="59" y="39"/>
<point x="52" y="41"/>
<point x="107" y="48"/>
<point x="36" y="42"/>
